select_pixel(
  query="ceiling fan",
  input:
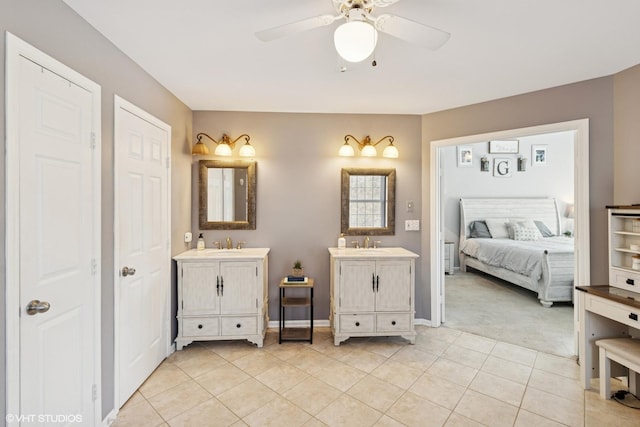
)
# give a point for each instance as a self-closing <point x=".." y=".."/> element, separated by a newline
<point x="356" y="39"/>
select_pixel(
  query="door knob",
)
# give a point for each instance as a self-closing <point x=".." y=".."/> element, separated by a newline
<point x="36" y="306"/>
<point x="128" y="271"/>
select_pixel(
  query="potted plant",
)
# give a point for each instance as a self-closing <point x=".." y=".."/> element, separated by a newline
<point x="297" y="270"/>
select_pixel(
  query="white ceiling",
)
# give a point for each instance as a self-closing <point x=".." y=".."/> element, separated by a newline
<point x="205" y="52"/>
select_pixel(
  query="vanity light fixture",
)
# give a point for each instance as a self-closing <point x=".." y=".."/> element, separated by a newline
<point x="224" y="147"/>
<point x="367" y="148"/>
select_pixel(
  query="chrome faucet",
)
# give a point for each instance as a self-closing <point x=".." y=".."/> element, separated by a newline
<point x="229" y="243"/>
<point x="366" y="242"/>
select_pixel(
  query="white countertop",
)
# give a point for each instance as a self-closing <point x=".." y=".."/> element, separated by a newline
<point x="360" y="253"/>
<point x="222" y="254"/>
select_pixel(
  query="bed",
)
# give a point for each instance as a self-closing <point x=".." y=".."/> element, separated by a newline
<point x="544" y="265"/>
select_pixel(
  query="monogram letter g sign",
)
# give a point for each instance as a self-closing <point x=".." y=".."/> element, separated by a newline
<point x="502" y="168"/>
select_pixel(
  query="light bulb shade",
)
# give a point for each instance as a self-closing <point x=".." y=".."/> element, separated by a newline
<point x="369" y="151"/>
<point x="390" y="152"/>
<point x="223" y="150"/>
<point x="247" y="150"/>
<point x="355" y="40"/>
<point x="346" y="150"/>
<point x="199" y="149"/>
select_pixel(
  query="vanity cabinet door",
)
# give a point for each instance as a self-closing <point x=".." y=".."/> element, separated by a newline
<point x="393" y="285"/>
<point x="357" y="286"/>
<point x="239" y="292"/>
<point x="200" y="294"/>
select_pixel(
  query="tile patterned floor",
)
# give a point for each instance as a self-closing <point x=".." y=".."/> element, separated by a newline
<point x="448" y="378"/>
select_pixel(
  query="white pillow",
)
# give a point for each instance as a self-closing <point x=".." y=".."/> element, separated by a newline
<point x="498" y="227"/>
<point x="527" y="223"/>
<point x="525" y="233"/>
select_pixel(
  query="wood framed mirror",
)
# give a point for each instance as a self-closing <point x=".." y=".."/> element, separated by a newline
<point x="227" y="196"/>
<point x="368" y="202"/>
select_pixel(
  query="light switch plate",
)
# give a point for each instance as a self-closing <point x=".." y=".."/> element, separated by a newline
<point x="412" y="225"/>
<point x="188" y="237"/>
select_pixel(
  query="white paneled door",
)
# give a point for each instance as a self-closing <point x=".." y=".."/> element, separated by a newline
<point x="53" y="242"/>
<point x="142" y="245"/>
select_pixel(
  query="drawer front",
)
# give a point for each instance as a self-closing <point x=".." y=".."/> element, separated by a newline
<point x="390" y="322"/>
<point x="625" y="280"/>
<point x="200" y="326"/>
<point x="357" y="323"/>
<point x="619" y="312"/>
<point x="237" y="325"/>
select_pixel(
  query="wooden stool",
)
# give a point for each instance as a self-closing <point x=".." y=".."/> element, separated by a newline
<point x="625" y="351"/>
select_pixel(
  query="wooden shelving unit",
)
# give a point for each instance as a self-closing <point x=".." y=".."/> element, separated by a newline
<point x="295" y="333"/>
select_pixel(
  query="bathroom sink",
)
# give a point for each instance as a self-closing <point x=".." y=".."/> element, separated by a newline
<point x="386" y="252"/>
<point x="224" y="252"/>
<point x="372" y="251"/>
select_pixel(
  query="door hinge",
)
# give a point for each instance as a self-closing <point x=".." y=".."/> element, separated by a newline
<point x="93" y="140"/>
<point x="94" y="266"/>
<point x="94" y="392"/>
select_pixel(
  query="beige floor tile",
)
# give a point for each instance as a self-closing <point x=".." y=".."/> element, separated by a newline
<point x="413" y="410"/>
<point x="471" y="358"/>
<point x="138" y="415"/>
<point x="197" y="362"/>
<point x="386" y="346"/>
<point x="247" y="397"/>
<point x="529" y="419"/>
<point x="514" y="353"/>
<point x="553" y="407"/>
<point x="486" y="410"/>
<point x="396" y="373"/>
<point x="278" y="412"/>
<point x="457" y="420"/>
<point x="257" y="362"/>
<point x="222" y="379"/>
<point x="312" y="395"/>
<point x="564" y="366"/>
<point x="310" y="360"/>
<point x="179" y="399"/>
<point x="443" y="334"/>
<point x="506" y="369"/>
<point x="348" y="412"/>
<point x="133" y="400"/>
<point x="166" y="376"/>
<point x="502" y="389"/>
<point x="282" y="377"/>
<point x="284" y="351"/>
<point x="414" y="357"/>
<point x="238" y="423"/>
<point x="208" y="413"/>
<point x="475" y="342"/>
<point x="339" y="375"/>
<point x="386" y="421"/>
<point x="600" y="412"/>
<point x="556" y="384"/>
<point x="453" y="371"/>
<point x="378" y="394"/>
<point x="431" y="345"/>
<point x="363" y="359"/>
<point x="230" y="350"/>
<point x="314" y="422"/>
<point x="438" y="390"/>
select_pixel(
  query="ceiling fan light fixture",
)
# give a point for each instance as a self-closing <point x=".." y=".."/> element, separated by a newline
<point x="355" y="40"/>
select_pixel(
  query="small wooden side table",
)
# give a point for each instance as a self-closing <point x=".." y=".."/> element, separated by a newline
<point x="295" y="333"/>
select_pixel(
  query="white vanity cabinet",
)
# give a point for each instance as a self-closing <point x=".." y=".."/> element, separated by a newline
<point x="222" y="295"/>
<point x="372" y="293"/>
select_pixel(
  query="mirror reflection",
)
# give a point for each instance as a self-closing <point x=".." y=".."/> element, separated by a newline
<point x="368" y="201"/>
<point x="227" y="195"/>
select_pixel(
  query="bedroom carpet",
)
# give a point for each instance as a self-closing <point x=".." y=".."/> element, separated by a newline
<point x="483" y="305"/>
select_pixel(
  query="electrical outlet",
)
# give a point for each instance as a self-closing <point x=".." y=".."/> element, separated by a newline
<point x="188" y="237"/>
<point x="412" y="225"/>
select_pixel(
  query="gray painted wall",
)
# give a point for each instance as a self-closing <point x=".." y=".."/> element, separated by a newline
<point x="627" y="128"/>
<point x="555" y="179"/>
<point x="54" y="28"/>
<point x="298" y="197"/>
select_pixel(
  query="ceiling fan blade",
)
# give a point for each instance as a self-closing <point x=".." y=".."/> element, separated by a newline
<point x="384" y="3"/>
<point x="296" y="27"/>
<point x="411" y="31"/>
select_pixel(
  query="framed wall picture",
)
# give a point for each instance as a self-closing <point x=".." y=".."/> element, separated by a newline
<point x="502" y="168"/>
<point x="465" y="156"/>
<point x="504" y="146"/>
<point x="538" y="155"/>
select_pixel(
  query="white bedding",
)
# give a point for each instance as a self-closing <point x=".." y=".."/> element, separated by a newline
<point x="522" y="257"/>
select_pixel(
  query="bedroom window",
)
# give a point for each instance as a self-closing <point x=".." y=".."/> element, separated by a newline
<point x="368" y="201"/>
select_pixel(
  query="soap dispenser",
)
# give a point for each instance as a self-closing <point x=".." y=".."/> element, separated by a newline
<point x="200" y="242"/>
<point x="342" y="243"/>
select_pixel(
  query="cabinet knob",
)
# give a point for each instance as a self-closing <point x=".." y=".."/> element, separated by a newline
<point x="630" y="282"/>
<point x="633" y="316"/>
<point x="199" y="326"/>
<point x="238" y="325"/>
<point x="357" y="323"/>
<point x="393" y="322"/>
